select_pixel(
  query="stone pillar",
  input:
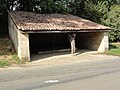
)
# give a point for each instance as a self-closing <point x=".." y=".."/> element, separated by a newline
<point x="23" y="46"/>
<point x="20" y="41"/>
<point x="104" y="45"/>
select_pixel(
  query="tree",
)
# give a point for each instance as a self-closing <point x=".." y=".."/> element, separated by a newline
<point x="40" y="6"/>
<point x="2" y="5"/>
<point x="106" y="12"/>
<point x="101" y="11"/>
<point x="113" y="20"/>
<point x="3" y="17"/>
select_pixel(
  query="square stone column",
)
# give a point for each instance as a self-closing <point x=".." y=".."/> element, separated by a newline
<point x="104" y="45"/>
<point x="23" y="46"/>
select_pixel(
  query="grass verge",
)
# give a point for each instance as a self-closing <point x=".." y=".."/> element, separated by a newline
<point x="8" y="56"/>
<point x="114" y="49"/>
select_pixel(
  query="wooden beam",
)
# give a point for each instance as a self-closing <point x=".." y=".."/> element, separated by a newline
<point x="71" y="38"/>
<point x="65" y="31"/>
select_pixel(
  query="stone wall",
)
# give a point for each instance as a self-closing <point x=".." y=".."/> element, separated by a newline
<point x="20" y="41"/>
<point x="104" y="44"/>
<point x="13" y="33"/>
<point x="97" y="41"/>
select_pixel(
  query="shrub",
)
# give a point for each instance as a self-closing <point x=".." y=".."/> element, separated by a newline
<point x="113" y="20"/>
<point x="3" y="63"/>
<point x="106" y="12"/>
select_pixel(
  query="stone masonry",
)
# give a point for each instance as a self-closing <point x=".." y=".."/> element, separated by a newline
<point x="20" y="41"/>
<point x="91" y="35"/>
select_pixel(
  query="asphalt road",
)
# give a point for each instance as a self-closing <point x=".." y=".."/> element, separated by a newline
<point x="91" y="75"/>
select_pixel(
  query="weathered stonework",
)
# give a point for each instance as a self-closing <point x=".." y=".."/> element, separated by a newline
<point x="97" y="41"/>
<point x="20" y="41"/>
<point x="23" y="48"/>
<point x="83" y="34"/>
<point x="104" y="45"/>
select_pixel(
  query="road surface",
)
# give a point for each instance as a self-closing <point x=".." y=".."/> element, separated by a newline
<point x="90" y="75"/>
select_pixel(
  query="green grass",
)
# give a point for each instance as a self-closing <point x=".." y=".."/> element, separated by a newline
<point x="3" y="63"/>
<point x="114" y="49"/>
<point x="15" y="59"/>
<point x="8" y="55"/>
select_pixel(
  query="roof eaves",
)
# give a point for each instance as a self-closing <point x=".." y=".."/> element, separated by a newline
<point x="64" y="31"/>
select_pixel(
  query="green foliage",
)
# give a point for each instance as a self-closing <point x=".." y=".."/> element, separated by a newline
<point x="93" y="10"/>
<point x="8" y="55"/>
<point x="101" y="11"/>
<point x="48" y="6"/>
<point x="3" y="17"/>
<point x="114" y="49"/>
<point x="105" y="12"/>
<point x="113" y="20"/>
<point x="2" y="5"/>
<point x="62" y="6"/>
<point x="15" y="59"/>
<point x="40" y="6"/>
<point x="6" y="47"/>
<point x="3" y="63"/>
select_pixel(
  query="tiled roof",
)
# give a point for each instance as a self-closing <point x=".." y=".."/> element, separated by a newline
<point x="32" y="21"/>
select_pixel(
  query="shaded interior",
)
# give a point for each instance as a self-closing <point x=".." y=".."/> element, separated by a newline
<point x="48" y="42"/>
<point x="40" y="42"/>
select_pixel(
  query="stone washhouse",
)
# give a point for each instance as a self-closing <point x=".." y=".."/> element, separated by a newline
<point x="32" y="32"/>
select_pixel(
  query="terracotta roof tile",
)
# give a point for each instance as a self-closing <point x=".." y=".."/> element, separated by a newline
<point x="33" y="21"/>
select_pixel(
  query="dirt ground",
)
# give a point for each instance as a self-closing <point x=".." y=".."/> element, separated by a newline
<point x="65" y="57"/>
